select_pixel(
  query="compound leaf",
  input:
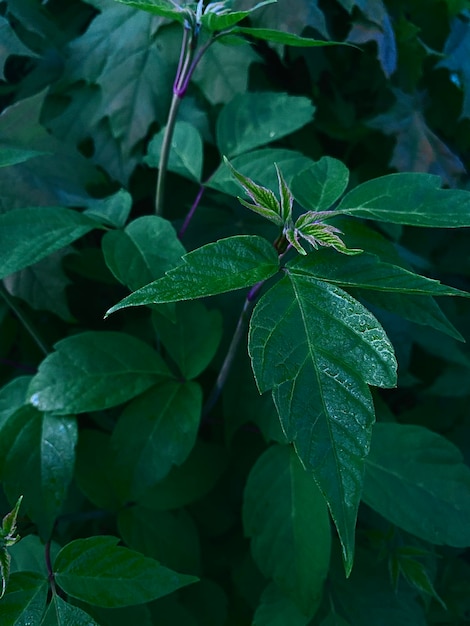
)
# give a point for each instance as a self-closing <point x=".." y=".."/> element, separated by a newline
<point x="25" y="599"/>
<point x="320" y="185"/>
<point x="318" y="349"/>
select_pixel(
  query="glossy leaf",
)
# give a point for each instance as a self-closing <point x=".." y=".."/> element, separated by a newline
<point x="214" y="21"/>
<point x="428" y="473"/>
<point x="252" y="120"/>
<point x="144" y="251"/>
<point x="39" y="463"/>
<point x="192" y="338"/>
<point x="286" y="518"/>
<point x="155" y="432"/>
<point x="92" y="371"/>
<point x="413" y="199"/>
<point x="317" y="348"/>
<point x="61" y="613"/>
<point x="319" y="186"/>
<point x="98" y="571"/>
<point x="366" y="271"/>
<point x="225" y="265"/>
<point x="25" y="599"/>
<point x="28" y="235"/>
<point x="186" y="152"/>
<point x="163" y="8"/>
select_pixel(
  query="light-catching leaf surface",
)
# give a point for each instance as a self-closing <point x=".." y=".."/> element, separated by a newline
<point x="225" y="265"/>
<point x="12" y="156"/>
<point x="411" y="471"/>
<point x="25" y="599"/>
<point x="251" y="120"/>
<point x="155" y="432"/>
<point x="30" y="234"/>
<point x="98" y="571"/>
<point x="409" y="198"/>
<point x="318" y="349"/>
<point x="39" y="463"/>
<point x="93" y="371"/>
<point x="61" y="613"/>
<point x="286" y="518"/>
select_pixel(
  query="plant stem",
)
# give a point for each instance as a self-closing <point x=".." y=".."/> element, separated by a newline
<point x="50" y="571"/>
<point x="191" y="212"/>
<point x="232" y="351"/>
<point x="165" y="153"/>
<point x="24" y="320"/>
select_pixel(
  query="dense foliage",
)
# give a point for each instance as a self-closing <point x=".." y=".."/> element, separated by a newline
<point x="234" y="304"/>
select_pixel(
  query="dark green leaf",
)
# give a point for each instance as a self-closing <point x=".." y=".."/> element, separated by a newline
<point x="410" y="471"/>
<point x="163" y="8"/>
<point x="168" y="536"/>
<point x="143" y="252"/>
<point x="318" y="348"/>
<point x="25" y="599"/>
<point x="286" y="517"/>
<point x="113" y="210"/>
<point x="275" y="609"/>
<point x="258" y="165"/>
<point x="192" y="338"/>
<point x="12" y="396"/>
<point x="456" y="53"/>
<point x="98" y="571"/>
<point x="413" y="199"/>
<point x="319" y="186"/>
<point x="12" y="156"/>
<point x="366" y="271"/>
<point x="217" y="22"/>
<point x="225" y="265"/>
<point x="28" y="235"/>
<point x="92" y="371"/>
<point x="251" y="120"/>
<point x="39" y="463"/>
<point x="186" y="152"/>
<point x="155" y="432"/>
<point x="11" y="44"/>
<point x="279" y="36"/>
<point x="61" y="613"/>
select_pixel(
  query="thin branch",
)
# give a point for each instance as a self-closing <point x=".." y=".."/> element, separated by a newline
<point x="10" y="301"/>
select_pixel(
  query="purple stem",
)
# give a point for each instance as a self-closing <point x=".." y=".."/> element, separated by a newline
<point x="191" y="212"/>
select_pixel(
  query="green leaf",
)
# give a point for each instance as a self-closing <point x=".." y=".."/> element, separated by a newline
<point x="367" y="271"/>
<point x="251" y="120"/>
<point x="8" y="530"/>
<point x="98" y="571"/>
<point x="11" y="44"/>
<point x="12" y="396"/>
<point x="144" y="251"/>
<point x="409" y="198"/>
<point x="61" y="613"/>
<point x="286" y="517"/>
<point x="225" y="265"/>
<point x="186" y="153"/>
<point x="168" y="536"/>
<point x="39" y="463"/>
<point x="93" y="371"/>
<point x="192" y="338"/>
<point x="190" y="481"/>
<point x="277" y="610"/>
<point x="25" y="599"/>
<point x="319" y="186"/>
<point x="279" y="36"/>
<point x="265" y="202"/>
<point x="427" y="473"/>
<point x="217" y="22"/>
<point x="155" y="432"/>
<point x="456" y="53"/>
<point x="43" y="285"/>
<point x="12" y="156"/>
<point x="163" y="8"/>
<point x="258" y="165"/>
<point x="113" y="210"/>
<point x="317" y="348"/>
<point x="28" y="235"/>
<point x="4" y="569"/>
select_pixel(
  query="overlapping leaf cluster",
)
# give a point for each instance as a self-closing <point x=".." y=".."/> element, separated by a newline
<point x="235" y="443"/>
